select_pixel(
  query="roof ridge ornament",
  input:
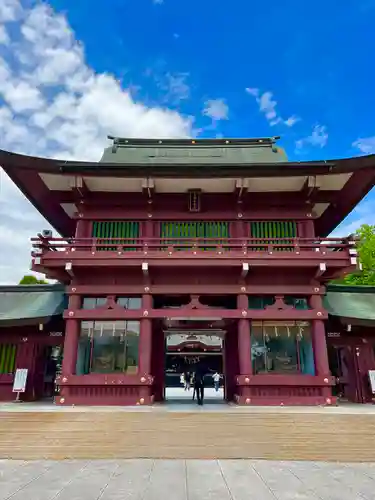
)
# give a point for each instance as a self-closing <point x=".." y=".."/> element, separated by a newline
<point x="251" y="141"/>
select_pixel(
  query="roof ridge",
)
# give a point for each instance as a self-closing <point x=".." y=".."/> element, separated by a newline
<point x="251" y="141"/>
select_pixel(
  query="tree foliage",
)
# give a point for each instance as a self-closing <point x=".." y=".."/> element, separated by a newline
<point x="29" y="279"/>
<point x="366" y="253"/>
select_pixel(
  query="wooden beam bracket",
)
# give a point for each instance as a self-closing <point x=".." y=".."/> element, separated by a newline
<point x="245" y="269"/>
<point x="321" y="269"/>
<point x="69" y="269"/>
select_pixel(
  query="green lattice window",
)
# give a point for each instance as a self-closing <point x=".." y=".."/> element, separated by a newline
<point x="105" y="231"/>
<point x="8" y="354"/>
<point x="273" y="229"/>
<point x="300" y="303"/>
<point x="175" y="231"/>
<point x="260" y="301"/>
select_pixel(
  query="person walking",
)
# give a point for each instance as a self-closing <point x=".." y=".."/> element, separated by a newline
<point x="187" y="378"/>
<point x="199" y="383"/>
<point x="216" y="378"/>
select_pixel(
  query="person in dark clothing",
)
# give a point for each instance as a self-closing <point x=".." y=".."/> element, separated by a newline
<point x="199" y="374"/>
<point x="187" y="377"/>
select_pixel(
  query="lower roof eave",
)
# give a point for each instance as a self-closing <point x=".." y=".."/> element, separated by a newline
<point x="367" y="323"/>
<point x="6" y="323"/>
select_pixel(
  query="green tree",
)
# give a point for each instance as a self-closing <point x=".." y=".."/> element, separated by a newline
<point x="366" y="252"/>
<point x="29" y="279"/>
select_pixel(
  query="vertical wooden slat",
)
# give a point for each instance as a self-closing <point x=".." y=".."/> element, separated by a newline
<point x="107" y="231"/>
<point x="13" y="359"/>
<point x="6" y="358"/>
<point x="277" y="230"/>
<point x="2" y="358"/>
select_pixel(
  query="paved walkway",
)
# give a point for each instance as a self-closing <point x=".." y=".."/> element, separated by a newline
<point x="178" y="400"/>
<point x="185" y="480"/>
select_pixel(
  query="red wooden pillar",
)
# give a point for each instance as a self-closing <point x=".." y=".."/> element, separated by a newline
<point x="72" y="330"/>
<point x="244" y="339"/>
<point x="319" y="343"/>
<point x="309" y="230"/>
<point x="244" y="351"/>
<point x="81" y="228"/>
<point x="158" y="360"/>
<point x="244" y="347"/>
<point x="319" y="339"/>
<point x="26" y="358"/>
<point x="145" y="350"/>
<point x="145" y="338"/>
<point x="231" y="361"/>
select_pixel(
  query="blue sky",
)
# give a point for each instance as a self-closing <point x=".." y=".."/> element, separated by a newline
<point x="315" y="58"/>
<point x="74" y="71"/>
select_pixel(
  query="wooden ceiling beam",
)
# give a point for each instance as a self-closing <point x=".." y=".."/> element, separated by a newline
<point x="310" y="188"/>
<point x="283" y="198"/>
<point x="79" y="188"/>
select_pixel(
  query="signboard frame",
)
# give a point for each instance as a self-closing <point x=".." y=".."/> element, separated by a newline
<point x="371" y="376"/>
<point x="20" y="381"/>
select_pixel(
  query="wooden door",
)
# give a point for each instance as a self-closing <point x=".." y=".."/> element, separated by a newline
<point x="348" y="375"/>
<point x="364" y="360"/>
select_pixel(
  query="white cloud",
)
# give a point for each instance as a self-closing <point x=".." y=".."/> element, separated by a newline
<point x="216" y="109"/>
<point x="21" y="96"/>
<point x="292" y="120"/>
<point x="267" y="106"/>
<point x="10" y="10"/>
<point x="365" y="145"/>
<point x="4" y="37"/>
<point x="317" y="138"/>
<point x="55" y="105"/>
<point x="252" y="91"/>
<point x="174" y="85"/>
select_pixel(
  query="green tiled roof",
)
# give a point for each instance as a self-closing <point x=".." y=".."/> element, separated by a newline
<point x="206" y="151"/>
<point x="24" y="303"/>
<point x="357" y="302"/>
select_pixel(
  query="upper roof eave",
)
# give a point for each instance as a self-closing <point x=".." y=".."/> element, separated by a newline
<point x="24" y="170"/>
<point x="10" y="161"/>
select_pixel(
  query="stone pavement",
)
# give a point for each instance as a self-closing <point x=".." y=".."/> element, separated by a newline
<point x="185" y="480"/>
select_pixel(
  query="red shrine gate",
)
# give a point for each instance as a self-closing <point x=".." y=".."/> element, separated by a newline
<point x="248" y="381"/>
<point x="169" y="229"/>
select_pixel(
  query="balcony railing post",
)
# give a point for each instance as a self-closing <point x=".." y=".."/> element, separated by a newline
<point x="297" y="248"/>
<point x="145" y="246"/>
<point x="94" y="245"/>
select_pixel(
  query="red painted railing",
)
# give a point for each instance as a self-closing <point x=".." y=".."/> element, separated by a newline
<point x="42" y="245"/>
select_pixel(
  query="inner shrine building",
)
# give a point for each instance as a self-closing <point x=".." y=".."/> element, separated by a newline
<point x="224" y="240"/>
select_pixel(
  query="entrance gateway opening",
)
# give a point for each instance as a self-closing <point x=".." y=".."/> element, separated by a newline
<point x="194" y="346"/>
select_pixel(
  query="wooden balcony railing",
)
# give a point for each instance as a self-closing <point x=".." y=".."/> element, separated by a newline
<point x="153" y="246"/>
